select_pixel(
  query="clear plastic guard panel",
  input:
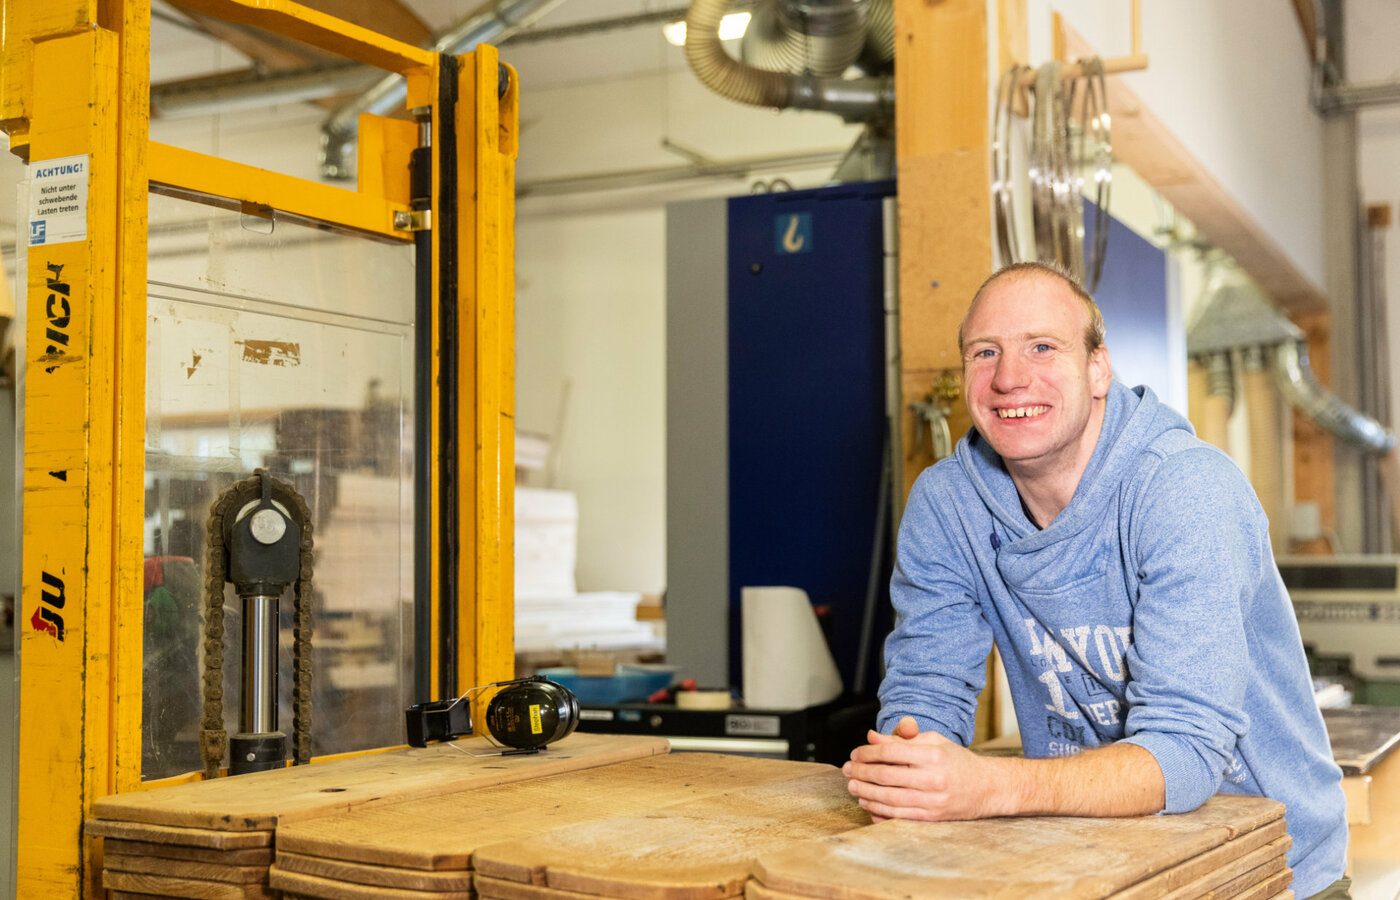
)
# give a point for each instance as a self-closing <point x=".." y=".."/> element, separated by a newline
<point x="291" y="348"/>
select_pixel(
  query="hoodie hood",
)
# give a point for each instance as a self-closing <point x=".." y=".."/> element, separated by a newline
<point x="1133" y="419"/>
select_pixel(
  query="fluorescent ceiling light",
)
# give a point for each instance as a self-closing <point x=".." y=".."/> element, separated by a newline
<point x="731" y="27"/>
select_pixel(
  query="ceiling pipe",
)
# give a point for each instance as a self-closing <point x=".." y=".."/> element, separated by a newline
<point x="496" y="23"/>
<point x="652" y="176"/>
<point x="255" y="89"/>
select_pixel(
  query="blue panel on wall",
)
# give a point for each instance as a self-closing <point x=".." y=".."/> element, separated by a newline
<point x="806" y="401"/>
<point x="1133" y="296"/>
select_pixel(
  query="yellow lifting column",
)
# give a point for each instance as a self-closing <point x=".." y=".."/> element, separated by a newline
<point x="74" y="98"/>
<point x="76" y="95"/>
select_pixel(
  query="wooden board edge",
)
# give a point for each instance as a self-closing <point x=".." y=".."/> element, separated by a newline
<point x="331" y="889"/>
<point x="373" y="874"/>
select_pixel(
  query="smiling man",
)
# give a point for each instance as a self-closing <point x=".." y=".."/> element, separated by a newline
<point x="1123" y="569"/>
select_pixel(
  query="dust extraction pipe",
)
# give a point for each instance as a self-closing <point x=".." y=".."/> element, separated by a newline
<point x="1296" y="381"/>
<point x="496" y="22"/>
<point x="823" y="37"/>
<point x="1218" y="400"/>
<point x="856" y="100"/>
<point x="1265" y="464"/>
<point x="1237" y="316"/>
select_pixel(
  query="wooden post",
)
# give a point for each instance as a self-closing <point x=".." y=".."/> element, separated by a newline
<point x="945" y="210"/>
<point x="941" y="114"/>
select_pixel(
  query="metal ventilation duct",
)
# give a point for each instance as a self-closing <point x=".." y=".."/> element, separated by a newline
<point x="818" y="37"/>
<point x="856" y="100"/>
<point x="1298" y="384"/>
<point x="1236" y="316"/>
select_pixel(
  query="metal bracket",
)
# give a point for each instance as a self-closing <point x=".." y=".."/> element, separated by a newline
<point x="413" y="219"/>
<point x="934" y="412"/>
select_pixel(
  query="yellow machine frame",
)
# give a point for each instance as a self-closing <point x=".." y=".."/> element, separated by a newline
<point x="75" y="82"/>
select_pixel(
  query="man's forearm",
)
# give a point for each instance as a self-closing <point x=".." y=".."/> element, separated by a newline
<point x="1116" y="780"/>
<point x="910" y="774"/>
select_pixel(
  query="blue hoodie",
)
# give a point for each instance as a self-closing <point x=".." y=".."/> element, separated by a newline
<point x="1149" y="611"/>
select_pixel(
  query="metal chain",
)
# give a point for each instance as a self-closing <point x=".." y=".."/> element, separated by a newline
<point x="213" y="738"/>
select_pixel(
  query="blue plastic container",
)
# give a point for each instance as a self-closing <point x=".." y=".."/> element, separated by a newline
<point x="631" y="684"/>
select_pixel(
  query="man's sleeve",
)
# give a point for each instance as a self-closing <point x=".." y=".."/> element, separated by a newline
<point x="1201" y="551"/>
<point x="936" y="657"/>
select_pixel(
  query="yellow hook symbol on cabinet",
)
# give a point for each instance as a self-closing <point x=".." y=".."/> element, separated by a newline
<point x="792" y="241"/>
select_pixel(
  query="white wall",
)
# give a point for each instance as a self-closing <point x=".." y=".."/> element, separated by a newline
<point x="589" y="339"/>
<point x="590" y="286"/>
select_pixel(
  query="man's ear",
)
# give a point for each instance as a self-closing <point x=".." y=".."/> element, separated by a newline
<point x="1100" y="372"/>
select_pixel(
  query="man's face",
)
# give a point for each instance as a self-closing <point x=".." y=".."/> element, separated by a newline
<point x="1032" y="388"/>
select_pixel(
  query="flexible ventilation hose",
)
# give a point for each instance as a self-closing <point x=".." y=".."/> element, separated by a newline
<point x="1297" y="383"/>
<point x="854" y="99"/>
<point x="1265" y="462"/>
<point x="879" y="32"/>
<point x="821" y="39"/>
<point x="1218" y="400"/>
<point x="721" y="73"/>
<point x="1195" y="393"/>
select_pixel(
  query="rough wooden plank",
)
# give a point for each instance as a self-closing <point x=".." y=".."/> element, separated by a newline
<point x="1273" y="889"/>
<point x="1263" y="879"/>
<point x="1260" y="881"/>
<point x="330" y="889"/>
<point x="755" y="890"/>
<point x="700" y="850"/>
<point x="258" y="856"/>
<point x="184" y="868"/>
<point x="260" y="800"/>
<point x="435" y="834"/>
<point x="374" y="874"/>
<point x="1009" y="858"/>
<point x="1199" y="873"/>
<point x="183" y="887"/>
<point x="500" y="889"/>
<point x="1234" y="877"/>
<point x="177" y="835"/>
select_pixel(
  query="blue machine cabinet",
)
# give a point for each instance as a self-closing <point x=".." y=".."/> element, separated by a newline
<point x="775" y="413"/>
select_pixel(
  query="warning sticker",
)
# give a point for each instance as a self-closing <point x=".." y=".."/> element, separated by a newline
<point x="58" y="199"/>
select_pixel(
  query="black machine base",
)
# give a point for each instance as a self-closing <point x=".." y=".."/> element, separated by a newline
<point x="826" y="733"/>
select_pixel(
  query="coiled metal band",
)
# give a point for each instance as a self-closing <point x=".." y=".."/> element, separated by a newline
<point x="1057" y="155"/>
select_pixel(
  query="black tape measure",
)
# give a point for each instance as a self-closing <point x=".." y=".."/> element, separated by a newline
<point x="526" y="715"/>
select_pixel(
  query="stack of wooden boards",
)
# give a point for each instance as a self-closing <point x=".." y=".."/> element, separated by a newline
<point x="213" y="840"/>
<point x="437" y="848"/>
<point x="613" y="820"/>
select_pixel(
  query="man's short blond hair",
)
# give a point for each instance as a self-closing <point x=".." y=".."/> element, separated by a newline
<point x="1093" y="332"/>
